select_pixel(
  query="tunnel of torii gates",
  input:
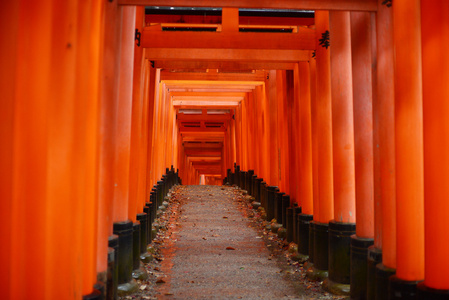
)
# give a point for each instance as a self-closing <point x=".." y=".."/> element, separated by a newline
<point x="340" y="107"/>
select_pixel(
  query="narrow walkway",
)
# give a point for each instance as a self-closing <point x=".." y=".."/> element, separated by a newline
<point x="211" y="251"/>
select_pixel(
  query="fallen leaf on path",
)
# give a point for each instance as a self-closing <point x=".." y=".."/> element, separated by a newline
<point x="230" y="248"/>
<point x="160" y="280"/>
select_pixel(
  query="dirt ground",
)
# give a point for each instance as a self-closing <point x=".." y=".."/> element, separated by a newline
<point x="213" y="245"/>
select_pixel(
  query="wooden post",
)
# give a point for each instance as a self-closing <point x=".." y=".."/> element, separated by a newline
<point x="364" y="154"/>
<point x="435" y="42"/>
<point x="409" y="147"/>
<point x="343" y="224"/>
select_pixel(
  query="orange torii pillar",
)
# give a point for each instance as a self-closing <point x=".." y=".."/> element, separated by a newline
<point x="314" y="120"/>
<point x="138" y="158"/>
<point x="107" y="147"/>
<point x="435" y="35"/>
<point x="305" y="176"/>
<point x="409" y="149"/>
<point x="364" y="154"/>
<point x="49" y="149"/>
<point x="123" y="225"/>
<point x="385" y="106"/>
<point x="343" y="225"/>
<point x="324" y="209"/>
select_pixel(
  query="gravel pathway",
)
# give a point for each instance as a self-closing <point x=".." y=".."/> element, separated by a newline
<point x="212" y="250"/>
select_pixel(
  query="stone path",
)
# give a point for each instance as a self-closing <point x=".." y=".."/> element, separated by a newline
<point x="213" y="252"/>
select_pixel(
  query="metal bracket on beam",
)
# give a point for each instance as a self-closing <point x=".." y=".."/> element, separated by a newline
<point x="137" y="37"/>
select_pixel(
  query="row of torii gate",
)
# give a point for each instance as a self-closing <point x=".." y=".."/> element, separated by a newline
<point x="346" y="112"/>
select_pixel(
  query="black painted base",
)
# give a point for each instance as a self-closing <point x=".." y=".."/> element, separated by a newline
<point x="311" y="241"/>
<point x="303" y="233"/>
<point x="374" y="258"/>
<point x="383" y="274"/>
<point x="426" y="293"/>
<point x="359" y="267"/>
<point x="101" y="287"/>
<point x="112" y="272"/>
<point x="340" y="251"/>
<point x="401" y="289"/>
<point x="95" y="295"/>
<point x="124" y="231"/>
<point x="321" y="246"/>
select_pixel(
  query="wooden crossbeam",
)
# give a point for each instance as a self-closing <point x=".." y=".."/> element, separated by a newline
<point x="223" y="65"/>
<point x="212" y="76"/>
<point x="247" y="55"/>
<point x="351" y="5"/>
<point x="245" y="20"/>
<point x="304" y="39"/>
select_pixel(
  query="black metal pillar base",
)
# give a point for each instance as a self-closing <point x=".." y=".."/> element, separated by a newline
<point x="101" y="286"/>
<point x="303" y="233"/>
<point x="112" y="272"/>
<point x="401" y="289"/>
<point x="95" y="295"/>
<point x="278" y="214"/>
<point x="136" y="245"/>
<point x="383" y="274"/>
<point x="142" y="218"/>
<point x="289" y="225"/>
<point x="124" y="231"/>
<point x="374" y="258"/>
<point x="271" y="194"/>
<point x="311" y="242"/>
<point x="340" y="251"/>
<point x="359" y="266"/>
<point x="426" y="293"/>
<point x="321" y="246"/>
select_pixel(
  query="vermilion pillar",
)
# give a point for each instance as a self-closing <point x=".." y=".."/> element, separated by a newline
<point x="324" y="211"/>
<point x="305" y="176"/>
<point x="343" y="224"/>
<point x="435" y="47"/>
<point x="409" y="148"/>
<point x="305" y="119"/>
<point x="364" y="154"/>
<point x="123" y="226"/>
<point x="386" y="111"/>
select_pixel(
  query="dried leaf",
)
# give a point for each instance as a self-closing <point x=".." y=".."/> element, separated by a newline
<point x="230" y="248"/>
<point x="160" y="280"/>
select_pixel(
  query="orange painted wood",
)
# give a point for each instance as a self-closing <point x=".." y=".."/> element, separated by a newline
<point x="108" y="104"/>
<point x="223" y="65"/>
<point x="206" y="54"/>
<point x="248" y="76"/>
<point x="363" y="122"/>
<point x="409" y="140"/>
<point x="305" y="162"/>
<point x="294" y="137"/>
<point x="362" y="5"/>
<point x="244" y="20"/>
<point x="230" y="19"/>
<point x="272" y="143"/>
<point x="135" y="161"/>
<point x="301" y="40"/>
<point x="376" y="140"/>
<point x="342" y="117"/>
<point x="385" y="92"/>
<point x="324" y="211"/>
<point x="124" y="115"/>
<point x="435" y="42"/>
<point x="29" y="179"/>
<point x="9" y="28"/>
<point x="153" y="77"/>
<point x="313" y="113"/>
